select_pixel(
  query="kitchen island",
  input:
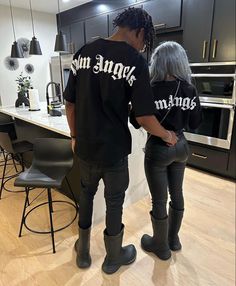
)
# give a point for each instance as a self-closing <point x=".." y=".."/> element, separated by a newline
<point x="38" y="124"/>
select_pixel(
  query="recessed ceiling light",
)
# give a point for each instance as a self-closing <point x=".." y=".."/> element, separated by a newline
<point x="102" y="7"/>
<point x="65" y="1"/>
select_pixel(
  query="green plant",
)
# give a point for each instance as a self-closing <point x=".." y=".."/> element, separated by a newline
<point x="23" y="83"/>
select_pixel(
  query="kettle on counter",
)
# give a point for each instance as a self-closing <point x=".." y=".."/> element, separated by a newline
<point x="54" y="105"/>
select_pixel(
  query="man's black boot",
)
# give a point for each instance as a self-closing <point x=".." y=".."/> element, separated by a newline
<point x="116" y="254"/>
<point x="82" y="247"/>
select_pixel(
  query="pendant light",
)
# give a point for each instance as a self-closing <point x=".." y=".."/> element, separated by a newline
<point x="34" y="44"/>
<point x="60" y="44"/>
<point x="15" y="49"/>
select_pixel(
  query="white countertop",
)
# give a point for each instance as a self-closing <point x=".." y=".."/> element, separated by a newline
<point x="137" y="187"/>
<point x="41" y="118"/>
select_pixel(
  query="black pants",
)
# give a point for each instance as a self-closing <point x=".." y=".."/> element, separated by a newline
<point x="116" y="181"/>
<point x="164" y="168"/>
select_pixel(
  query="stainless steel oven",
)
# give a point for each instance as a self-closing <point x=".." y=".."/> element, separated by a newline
<point x="216" y="86"/>
<point x="216" y="127"/>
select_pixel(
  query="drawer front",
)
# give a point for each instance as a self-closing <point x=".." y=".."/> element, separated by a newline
<point x="208" y="159"/>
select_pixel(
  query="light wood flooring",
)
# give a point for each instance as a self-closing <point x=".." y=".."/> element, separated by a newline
<point x="207" y="235"/>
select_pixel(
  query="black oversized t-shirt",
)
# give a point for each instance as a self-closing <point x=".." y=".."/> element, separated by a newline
<point x="183" y="109"/>
<point x="106" y="75"/>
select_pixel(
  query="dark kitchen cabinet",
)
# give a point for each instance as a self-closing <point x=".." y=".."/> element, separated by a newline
<point x="209" y="30"/>
<point x="197" y="18"/>
<point x="96" y="27"/>
<point x="66" y="31"/>
<point x="74" y="36"/>
<point x="111" y="18"/>
<point x="212" y="160"/>
<point x="223" y="32"/>
<point x="165" y="13"/>
<point x="77" y="35"/>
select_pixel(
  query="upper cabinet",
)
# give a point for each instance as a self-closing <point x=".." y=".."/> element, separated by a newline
<point x="66" y="31"/>
<point x="74" y="36"/>
<point x="111" y="18"/>
<point x="77" y="35"/>
<point x="209" y="30"/>
<point x="165" y="13"/>
<point x="223" y="32"/>
<point x="96" y="27"/>
<point x="206" y="28"/>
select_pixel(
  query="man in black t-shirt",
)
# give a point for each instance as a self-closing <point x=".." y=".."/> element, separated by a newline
<point x="105" y="76"/>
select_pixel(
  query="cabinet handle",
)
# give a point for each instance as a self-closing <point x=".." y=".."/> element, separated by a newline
<point x="159" y="26"/>
<point x="72" y="47"/>
<point x="69" y="47"/>
<point x="214" y="48"/>
<point x="204" y="49"/>
<point x="199" y="156"/>
<point x="95" y="37"/>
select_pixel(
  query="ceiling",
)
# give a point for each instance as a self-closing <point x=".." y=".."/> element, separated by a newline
<point x="49" y="6"/>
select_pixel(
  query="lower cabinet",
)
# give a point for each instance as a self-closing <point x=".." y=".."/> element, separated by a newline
<point x="212" y="160"/>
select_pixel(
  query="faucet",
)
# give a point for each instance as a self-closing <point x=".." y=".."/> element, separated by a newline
<point x="57" y="91"/>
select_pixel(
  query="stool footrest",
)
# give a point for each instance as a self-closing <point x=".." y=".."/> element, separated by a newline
<point x="55" y="230"/>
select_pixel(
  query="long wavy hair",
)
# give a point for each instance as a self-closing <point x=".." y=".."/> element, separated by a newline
<point x="169" y="58"/>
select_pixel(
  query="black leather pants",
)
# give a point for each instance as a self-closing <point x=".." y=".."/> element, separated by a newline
<point x="164" y="169"/>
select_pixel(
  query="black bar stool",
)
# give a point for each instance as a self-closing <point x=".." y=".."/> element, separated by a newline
<point x="52" y="160"/>
<point x="7" y="125"/>
<point x="14" y="150"/>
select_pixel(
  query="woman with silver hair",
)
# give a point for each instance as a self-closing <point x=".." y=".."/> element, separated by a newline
<point x="177" y="106"/>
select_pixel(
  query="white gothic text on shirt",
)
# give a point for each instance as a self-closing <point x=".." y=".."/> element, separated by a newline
<point x="117" y="70"/>
<point x="184" y="103"/>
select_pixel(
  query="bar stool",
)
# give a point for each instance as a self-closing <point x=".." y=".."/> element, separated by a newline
<point x="13" y="150"/>
<point x="52" y="160"/>
<point x="7" y="125"/>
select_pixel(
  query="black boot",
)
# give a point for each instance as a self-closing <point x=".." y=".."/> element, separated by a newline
<point x="116" y="254"/>
<point x="82" y="247"/>
<point x="158" y="244"/>
<point x="175" y="220"/>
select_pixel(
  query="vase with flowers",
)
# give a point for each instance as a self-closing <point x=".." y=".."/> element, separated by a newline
<point x="23" y="85"/>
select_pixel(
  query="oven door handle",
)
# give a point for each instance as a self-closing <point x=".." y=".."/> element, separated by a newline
<point x="226" y="106"/>
<point x="213" y="75"/>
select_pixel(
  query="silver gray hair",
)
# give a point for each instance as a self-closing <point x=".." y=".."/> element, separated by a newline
<point x="169" y="58"/>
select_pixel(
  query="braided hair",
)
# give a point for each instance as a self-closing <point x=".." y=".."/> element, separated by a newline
<point x="136" y="19"/>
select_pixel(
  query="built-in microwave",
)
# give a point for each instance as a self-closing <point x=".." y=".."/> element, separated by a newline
<point x="215" y="82"/>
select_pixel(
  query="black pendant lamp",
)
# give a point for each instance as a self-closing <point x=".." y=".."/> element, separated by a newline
<point x="34" y="44"/>
<point x="60" y="43"/>
<point x="15" y="49"/>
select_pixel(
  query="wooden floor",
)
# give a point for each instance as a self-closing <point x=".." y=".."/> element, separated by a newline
<point x="207" y="235"/>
